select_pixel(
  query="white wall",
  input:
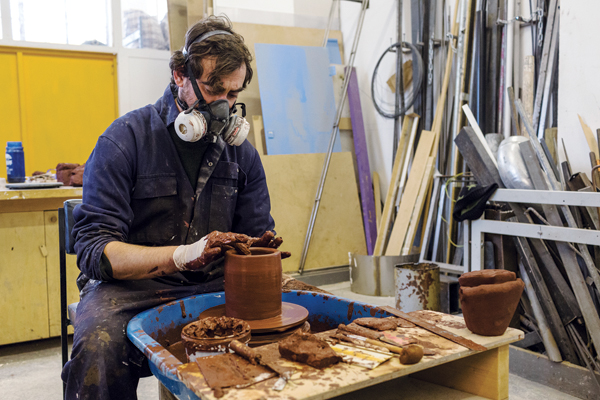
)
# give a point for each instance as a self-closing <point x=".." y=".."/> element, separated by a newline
<point x="143" y="77"/>
<point x="299" y="13"/>
<point x="578" y="79"/>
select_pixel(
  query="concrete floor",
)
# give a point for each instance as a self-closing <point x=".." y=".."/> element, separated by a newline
<point x="32" y="371"/>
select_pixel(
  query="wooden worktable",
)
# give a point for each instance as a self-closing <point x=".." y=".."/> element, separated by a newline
<point x="29" y="267"/>
<point x="12" y="200"/>
<point x="481" y="373"/>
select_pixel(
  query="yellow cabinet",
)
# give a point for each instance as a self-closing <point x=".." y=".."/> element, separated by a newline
<point x="56" y="102"/>
<point x="24" y="299"/>
<point x="29" y="265"/>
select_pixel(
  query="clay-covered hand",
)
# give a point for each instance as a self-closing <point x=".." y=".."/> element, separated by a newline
<point x="201" y="253"/>
<point x="268" y="239"/>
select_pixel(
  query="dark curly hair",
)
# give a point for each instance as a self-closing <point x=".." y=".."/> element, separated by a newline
<point x="229" y="52"/>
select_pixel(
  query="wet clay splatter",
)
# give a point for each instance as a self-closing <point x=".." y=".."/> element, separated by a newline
<point x="452" y="324"/>
<point x="350" y="310"/>
<point x="321" y="323"/>
<point x="402" y="323"/>
<point x="380" y="324"/>
<point x="307" y="348"/>
<point x="421" y="284"/>
<point x="228" y="370"/>
<point x="182" y="305"/>
<point x="360" y="331"/>
<point x="290" y="284"/>
<point x="427" y="315"/>
<point x="216" y="328"/>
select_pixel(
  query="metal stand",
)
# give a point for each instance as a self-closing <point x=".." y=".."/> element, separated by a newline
<point x="574" y="235"/>
<point x="399" y="110"/>
<point x="335" y="130"/>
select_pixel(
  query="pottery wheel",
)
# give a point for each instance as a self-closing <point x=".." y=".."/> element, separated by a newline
<point x="259" y="339"/>
<point x="291" y="315"/>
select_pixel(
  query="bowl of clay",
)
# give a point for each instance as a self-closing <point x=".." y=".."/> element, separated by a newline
<point x="212" y="335"/>
<point x="489" y="299"/>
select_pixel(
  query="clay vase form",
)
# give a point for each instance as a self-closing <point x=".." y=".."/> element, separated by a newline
<point x="489" y="299"/>
<point x="253" y="284"/>
<point x="211" y="336"/>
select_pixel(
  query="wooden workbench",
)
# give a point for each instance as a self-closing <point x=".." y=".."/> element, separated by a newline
<point x="29" y="266"/>
<point x="481" y="373"/>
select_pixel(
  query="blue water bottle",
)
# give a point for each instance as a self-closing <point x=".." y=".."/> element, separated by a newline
<point x="15" y="162"/>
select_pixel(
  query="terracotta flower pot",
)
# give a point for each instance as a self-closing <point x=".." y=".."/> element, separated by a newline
<point x="253" y="284"/>
<point x="489" y="307"/>
<point x="211" y="336"/>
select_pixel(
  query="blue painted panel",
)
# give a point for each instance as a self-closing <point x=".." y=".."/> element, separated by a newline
<point x="333" y="48"/>
<point x="296" y="94"/>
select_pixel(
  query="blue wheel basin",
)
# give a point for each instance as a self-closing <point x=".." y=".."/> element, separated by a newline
<point x="154" y="330"/>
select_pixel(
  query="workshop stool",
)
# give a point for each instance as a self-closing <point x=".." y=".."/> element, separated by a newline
<point x="66" y="243"/>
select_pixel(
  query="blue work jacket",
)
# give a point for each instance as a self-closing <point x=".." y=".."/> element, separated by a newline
<point x="135" y="189"/>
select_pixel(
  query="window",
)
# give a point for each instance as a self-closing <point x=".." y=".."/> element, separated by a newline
<point x="145" y="24"/>
<point x="61" y="21"/>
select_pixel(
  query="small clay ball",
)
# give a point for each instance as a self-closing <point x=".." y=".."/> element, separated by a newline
<point x="412" y="354"/>
<point x="486" y="277"/>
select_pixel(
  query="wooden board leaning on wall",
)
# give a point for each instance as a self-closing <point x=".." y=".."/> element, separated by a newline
<point x="293" y="181"/>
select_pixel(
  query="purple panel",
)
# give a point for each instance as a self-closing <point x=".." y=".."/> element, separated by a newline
<point x="362" y="159"/>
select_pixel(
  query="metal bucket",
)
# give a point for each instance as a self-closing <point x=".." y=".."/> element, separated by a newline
<point x="374" y="275"/>
<point x="417" y="287"/>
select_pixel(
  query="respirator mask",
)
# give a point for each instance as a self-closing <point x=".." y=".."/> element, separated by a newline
<point x="214" y="119"/>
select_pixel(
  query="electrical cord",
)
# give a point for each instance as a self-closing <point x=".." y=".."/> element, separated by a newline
<point x="416" y="84"/>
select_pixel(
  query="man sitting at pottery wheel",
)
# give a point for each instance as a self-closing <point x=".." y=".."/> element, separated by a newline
<point x="164" y="190"/>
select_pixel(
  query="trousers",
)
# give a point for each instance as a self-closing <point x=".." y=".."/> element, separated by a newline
<point x="104" y="363"/>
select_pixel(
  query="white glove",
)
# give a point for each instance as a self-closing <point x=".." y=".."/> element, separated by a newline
<point x="201" y="253"/>
<point x="184" y="255"/>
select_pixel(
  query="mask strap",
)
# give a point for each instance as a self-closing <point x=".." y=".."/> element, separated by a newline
<point x="242" y="105"/>
<point x="189" y="67"/>
<point x="197" y="92"/>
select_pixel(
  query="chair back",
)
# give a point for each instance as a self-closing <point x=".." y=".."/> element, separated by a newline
<point x="67" y="234"/>
<point x="66" y="243"/>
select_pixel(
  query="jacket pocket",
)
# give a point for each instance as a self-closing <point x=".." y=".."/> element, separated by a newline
<point x="150" y="187"/>
<point x="154" y="202"/>
<point x="222" y="207"/>
<point x="226" y="170"/>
